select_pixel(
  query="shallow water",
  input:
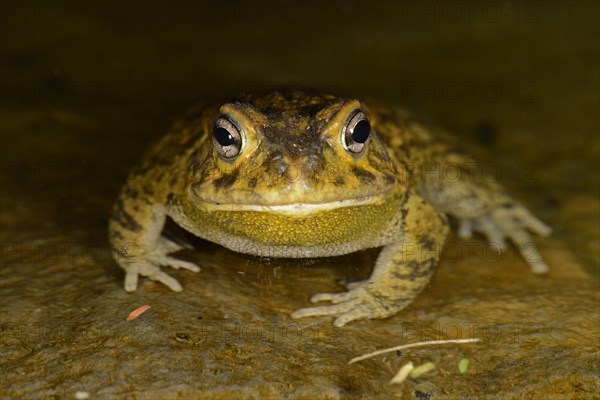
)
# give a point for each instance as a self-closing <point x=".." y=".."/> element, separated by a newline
<point x="88" y="86"/>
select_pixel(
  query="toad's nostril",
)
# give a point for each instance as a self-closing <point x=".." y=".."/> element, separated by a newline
<point x="293" y="168"/>
<point x="294" y="172"/>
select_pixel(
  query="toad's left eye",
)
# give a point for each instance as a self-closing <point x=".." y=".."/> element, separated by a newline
<point x="227" y="138"/>
<point x="357" y="132"/>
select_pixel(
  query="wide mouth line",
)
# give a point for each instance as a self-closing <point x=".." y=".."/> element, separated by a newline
<point x="299" y="207"/>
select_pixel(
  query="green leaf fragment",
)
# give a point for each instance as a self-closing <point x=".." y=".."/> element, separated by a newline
<point x="463" y="365"/>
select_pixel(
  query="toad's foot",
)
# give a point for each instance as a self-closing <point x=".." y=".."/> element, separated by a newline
<point x="358" y="303"/>
<point x="148" y="264"/>
<point x="510" y="221"/>
<point x="399" y="275"/>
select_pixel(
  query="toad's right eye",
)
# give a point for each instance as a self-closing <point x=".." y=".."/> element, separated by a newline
<point x="227" y="138"/>
<point x="356" y="133"/>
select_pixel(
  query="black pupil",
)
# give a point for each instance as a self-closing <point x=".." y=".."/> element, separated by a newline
<point x="361" y="131"/>
<point x="223" y="136"/>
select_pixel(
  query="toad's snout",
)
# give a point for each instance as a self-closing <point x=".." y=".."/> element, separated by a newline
<point x="296" y="169"/>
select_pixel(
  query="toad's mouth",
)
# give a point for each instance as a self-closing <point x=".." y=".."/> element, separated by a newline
<point x="298" y="208"/>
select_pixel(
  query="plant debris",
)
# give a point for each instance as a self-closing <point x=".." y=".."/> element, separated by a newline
<point x="463" y="365"/>
<point x="409" y="369"/>
<point x="137" y="312"/>
<point x="410" y="345"/>
<point x="403" y="373"/>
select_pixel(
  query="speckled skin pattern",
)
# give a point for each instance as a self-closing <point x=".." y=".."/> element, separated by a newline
<point x="295" y="189"/>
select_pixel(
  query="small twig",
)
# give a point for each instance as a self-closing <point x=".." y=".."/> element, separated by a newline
<point x="407" y="346"/>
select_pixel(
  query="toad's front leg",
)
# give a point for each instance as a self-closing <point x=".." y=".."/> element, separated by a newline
<point x="401" y="272"/>
<point x="138" y="246"/>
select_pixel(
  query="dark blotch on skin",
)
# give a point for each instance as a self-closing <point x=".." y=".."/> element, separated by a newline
<point x="417" y="269"/>
<point x="252" y="182"/>
<point x="390" y="179"/>
<point x="362" y="175"/>
<point x="404" y="210"/>
<point x="129" y="223"/>
<point x="123" y="218"/>
<point x="428" y="243"/>
<point x="226" y="180"/>
<point x="116" y="235"/>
